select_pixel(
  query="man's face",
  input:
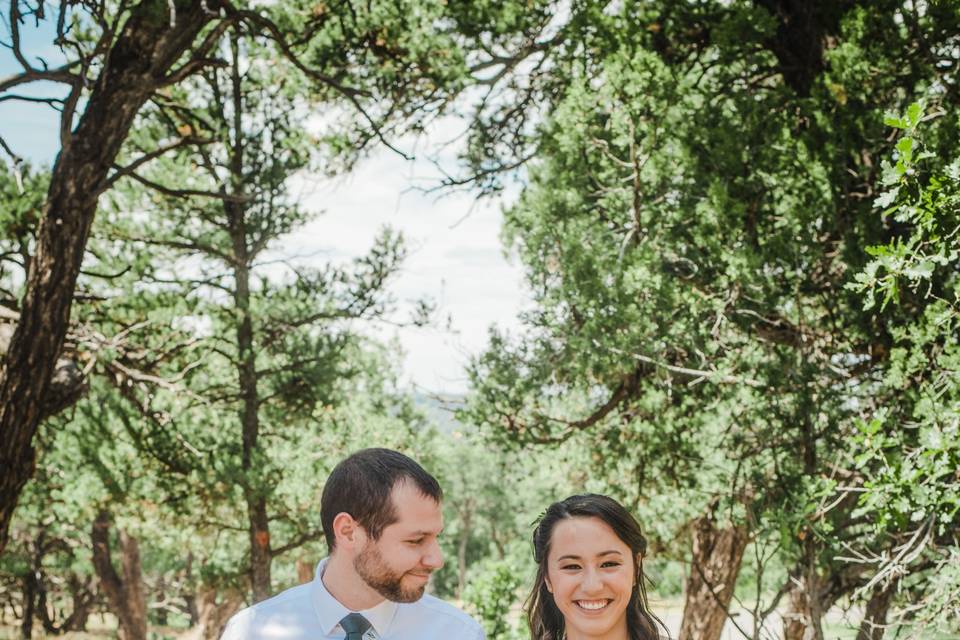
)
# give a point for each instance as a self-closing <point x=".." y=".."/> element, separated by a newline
<point x="398" y="565"/>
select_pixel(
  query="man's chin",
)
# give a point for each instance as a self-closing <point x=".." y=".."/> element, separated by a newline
<point x="410" y="596"/>
<point x="409" y="588"/>
<point x="413" y="592"/>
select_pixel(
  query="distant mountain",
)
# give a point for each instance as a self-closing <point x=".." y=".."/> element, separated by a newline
<point x="439" y="408"/>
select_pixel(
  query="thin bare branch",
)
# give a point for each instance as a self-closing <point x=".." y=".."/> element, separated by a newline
<point x="193" y="246"/>
<point x="13" y="96"/>
<point x="352" y="94"/>
<point x="60" y="74"/>
<point x="191" y="67"/>
<point x="698" y="374"/>
<point x="66" y="118"/>
<point x="17" y="163"/>
<point x="186" y="193"/>
<point x="156" y="153"/>
<point x="297" y="542"/>
<point x="15" y="18"/>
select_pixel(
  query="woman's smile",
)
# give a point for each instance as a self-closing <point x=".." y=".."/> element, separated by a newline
<point x="591" y="576"/>
<point x="593" y="605"/>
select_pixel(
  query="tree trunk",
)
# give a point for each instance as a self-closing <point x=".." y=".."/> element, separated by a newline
<point x="145" y="50"/>
<point x="161" y="613"/>
<point x="191" y="599"/>
<point x="29" y="604"/>
<point x="124" y="593"/>
<point x="874" y="623"/>
<point x="715" y="562"/>
<point x="812" y="595"/>
<point x="82" y="596"/>
<point x="462" y="551"/>
<point x="796" y="622"/>
<point x="212" y="616"/>
<point x="803" y="618"/>
<point x="67" y="384"/>
<point x="304" y="571"/>
<point x="254" y="492"/>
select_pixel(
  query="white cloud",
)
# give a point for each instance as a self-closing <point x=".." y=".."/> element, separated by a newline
<point x="455" y="256"/>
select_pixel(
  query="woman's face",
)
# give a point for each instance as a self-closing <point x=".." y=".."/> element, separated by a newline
<point x="590" y="572"/>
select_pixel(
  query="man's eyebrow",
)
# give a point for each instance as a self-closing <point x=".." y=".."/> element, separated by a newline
<point x="418" y="534"/>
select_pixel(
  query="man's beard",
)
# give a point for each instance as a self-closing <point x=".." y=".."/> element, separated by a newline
<point x="370" y="566"/>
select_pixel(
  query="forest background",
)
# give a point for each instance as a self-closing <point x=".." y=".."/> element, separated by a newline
<point x="737" y="222"/>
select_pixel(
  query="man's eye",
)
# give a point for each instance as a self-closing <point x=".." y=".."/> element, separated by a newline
<point x="417" y="541"/>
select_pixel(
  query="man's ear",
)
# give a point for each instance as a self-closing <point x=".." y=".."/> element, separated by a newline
<point x="348" y="532"/>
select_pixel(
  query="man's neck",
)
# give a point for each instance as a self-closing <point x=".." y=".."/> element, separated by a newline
<point x="349" y="589"/>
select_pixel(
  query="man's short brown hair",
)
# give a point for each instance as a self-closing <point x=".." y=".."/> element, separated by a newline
<point x="361" y="486"/>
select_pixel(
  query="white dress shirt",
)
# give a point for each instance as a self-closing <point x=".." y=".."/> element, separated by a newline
<point x="309" y="612"/>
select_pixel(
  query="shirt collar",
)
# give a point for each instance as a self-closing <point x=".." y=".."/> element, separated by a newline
<point x="330" y="612"/>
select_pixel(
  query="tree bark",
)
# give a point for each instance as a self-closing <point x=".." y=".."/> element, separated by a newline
<point x="465" y="518"/>
<point x="161" y="612"/>
<point x="124" y="593"/>
<point x="145" y="50"/>
<point x="67" y="385"/>
<point x="874" y="623"/>
<point x="254" y="494"/>
<point x="82" y="597"/>
<point x="796" y="622"/>
<point x="29" y="605"/>
<point x="304" y="571"/>
<point x="716" y="557"/>
<point x="803" y="618"/>
<point x="212" y="616"/>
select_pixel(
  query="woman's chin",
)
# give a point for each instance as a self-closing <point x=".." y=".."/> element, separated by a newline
<point x="594" y="622"/>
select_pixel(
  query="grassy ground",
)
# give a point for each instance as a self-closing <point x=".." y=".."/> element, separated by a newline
<point x="838" y="626"/>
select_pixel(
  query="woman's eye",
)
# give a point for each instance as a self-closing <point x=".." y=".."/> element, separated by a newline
<point x="610" y="564"/>
<point x="568" y="567"/>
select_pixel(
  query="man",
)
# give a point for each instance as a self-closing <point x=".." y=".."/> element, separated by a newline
<point x="381" y="517"/>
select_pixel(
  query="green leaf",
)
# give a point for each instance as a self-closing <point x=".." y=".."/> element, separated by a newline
<point x="886" y="198"/>
<point x="905" y="148"/>
<point x="920" y="271"/>
<point x="894" y="121"/>
<point x="914" y="113"/>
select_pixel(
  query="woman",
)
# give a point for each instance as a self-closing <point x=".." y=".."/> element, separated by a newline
<point x="589" y="551"/>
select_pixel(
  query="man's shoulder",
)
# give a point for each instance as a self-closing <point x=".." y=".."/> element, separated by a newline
<point x="287" y="604"/>
<point x="442" y="610"/>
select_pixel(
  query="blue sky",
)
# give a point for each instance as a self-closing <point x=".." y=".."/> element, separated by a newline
<point x="31" y="129"/>
<point x="455" y="254"/>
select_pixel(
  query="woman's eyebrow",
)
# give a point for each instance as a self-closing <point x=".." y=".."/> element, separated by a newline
<point x="599" y="555"/>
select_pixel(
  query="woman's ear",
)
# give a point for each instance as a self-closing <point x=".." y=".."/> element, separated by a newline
<point x="546" y="582"/>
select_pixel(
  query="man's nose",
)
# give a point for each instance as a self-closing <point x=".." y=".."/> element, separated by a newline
<point x="433" y="558"/>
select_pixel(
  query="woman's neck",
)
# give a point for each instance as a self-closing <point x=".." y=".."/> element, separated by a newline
<point x="619" y="632"/>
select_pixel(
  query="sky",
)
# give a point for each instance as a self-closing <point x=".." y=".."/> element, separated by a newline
<point x="455" y="255"/>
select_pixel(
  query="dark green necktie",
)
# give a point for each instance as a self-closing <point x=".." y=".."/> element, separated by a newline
<point x="355" y="625"/>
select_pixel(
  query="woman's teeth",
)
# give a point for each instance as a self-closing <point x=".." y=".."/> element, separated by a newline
<point x="592" y="605"/>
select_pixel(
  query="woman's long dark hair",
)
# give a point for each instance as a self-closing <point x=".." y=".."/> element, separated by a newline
<point x="546" y="621"/>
